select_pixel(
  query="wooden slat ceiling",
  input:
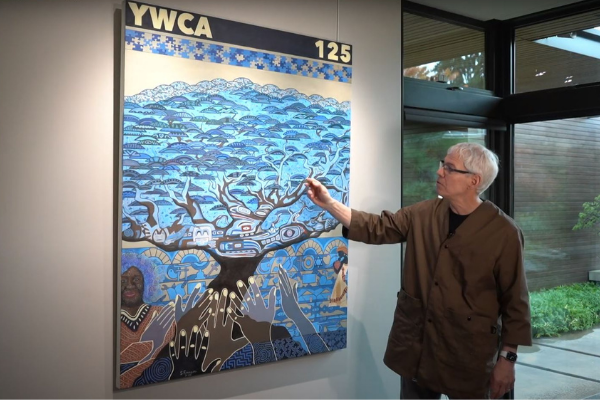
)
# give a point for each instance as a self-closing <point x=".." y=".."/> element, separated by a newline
<point x="556" y="65"/>
<point x="427" y="40"/>
<point x="560" y="26"/>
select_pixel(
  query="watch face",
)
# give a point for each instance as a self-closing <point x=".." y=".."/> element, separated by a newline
<point x="510" y="356"/>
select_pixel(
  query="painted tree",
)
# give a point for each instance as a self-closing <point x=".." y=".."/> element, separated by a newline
<point x="220" y="166"/>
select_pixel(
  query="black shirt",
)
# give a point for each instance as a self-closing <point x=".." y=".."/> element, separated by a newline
<point x="455" y="221"/>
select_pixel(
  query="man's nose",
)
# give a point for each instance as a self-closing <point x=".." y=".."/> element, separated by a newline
<point x="440" y="172"/>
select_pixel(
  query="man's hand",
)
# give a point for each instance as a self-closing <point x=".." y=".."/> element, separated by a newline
<point x="318" y="193"/>
<point x="503" y="378"/>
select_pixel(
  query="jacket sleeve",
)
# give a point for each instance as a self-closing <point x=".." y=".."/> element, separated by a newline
<point x="513" y="292"/>
<point x="387" y="228"/>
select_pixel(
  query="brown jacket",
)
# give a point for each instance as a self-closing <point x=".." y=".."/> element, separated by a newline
<point x="446" y="329"/>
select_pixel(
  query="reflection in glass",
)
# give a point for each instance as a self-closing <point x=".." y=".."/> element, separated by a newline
<point x="423" y="145"/>
<point x="558" y="53"/>
<point x="442" y="52"/>
<point x="557" y="206"/>
<point x="557" y="170"/>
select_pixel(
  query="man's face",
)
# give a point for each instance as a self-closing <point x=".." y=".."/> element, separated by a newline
<point x="451" y="184"/>
<point x="132" y="287"/>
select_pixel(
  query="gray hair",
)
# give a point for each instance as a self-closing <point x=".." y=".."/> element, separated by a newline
<point x="478" y="160"/>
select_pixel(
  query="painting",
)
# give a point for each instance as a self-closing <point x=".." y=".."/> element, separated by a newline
<point x="224" y="261"/>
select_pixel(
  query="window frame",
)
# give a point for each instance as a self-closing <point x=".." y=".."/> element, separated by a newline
<point x="433" y="105"/>
<point x="426" y="102"/>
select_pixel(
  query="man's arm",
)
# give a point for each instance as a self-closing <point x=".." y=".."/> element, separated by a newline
<point x="513" y="292"/>
<point x="321" y="197"/>
<point x="341" y="212"/>
<point x="514" y="307"/>
<point x="503" y="375"/>
<point x="387" y="228"/>
<point x="510" y="348"/>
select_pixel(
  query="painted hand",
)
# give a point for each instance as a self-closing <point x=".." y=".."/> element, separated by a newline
<point x="291" y="307"/>
<point x="254" y="317"/>
<point x="221" y="344"/>
<point x="194" y="313"/>
<point x="289" y="295"/>
<point x="188" y="352"/>
<point x="157" y="330"/>
<point x="254" y="303"/>
<point x="181" y="309"/>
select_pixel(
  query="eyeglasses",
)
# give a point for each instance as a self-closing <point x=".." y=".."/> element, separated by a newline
<point x="450" y="169"/>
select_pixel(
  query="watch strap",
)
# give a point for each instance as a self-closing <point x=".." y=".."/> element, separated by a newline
<point x="509" y="355"/>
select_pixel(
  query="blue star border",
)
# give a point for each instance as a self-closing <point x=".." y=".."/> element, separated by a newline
<point x="156" y="43"/>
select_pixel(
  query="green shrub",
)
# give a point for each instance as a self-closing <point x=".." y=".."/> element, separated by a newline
<point x="590" y="216"/>
<point x="565" y="309"/>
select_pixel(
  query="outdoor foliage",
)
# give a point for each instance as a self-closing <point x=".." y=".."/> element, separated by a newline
<point x="590" y="215"/>
<point x="565" y="309"/>
<point x="467" y="70"/>
<point x="422" y="152"/>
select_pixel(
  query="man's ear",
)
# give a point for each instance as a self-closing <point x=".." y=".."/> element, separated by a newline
<point x="475" y="180"/>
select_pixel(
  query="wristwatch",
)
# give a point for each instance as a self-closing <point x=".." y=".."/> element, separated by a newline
<point x="509" y="355"/>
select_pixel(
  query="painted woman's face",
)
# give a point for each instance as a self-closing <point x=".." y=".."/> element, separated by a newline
<point x="132" y="287"/>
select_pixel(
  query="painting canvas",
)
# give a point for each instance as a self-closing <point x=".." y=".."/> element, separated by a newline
<point x="224" y="261"/>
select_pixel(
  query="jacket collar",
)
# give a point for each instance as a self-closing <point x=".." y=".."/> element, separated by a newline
<point x="477" y="219"/>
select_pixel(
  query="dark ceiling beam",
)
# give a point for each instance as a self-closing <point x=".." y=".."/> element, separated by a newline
<point x="441" y="15"/>
<point x="551" y="104"/>
<point x="554" y="13"/>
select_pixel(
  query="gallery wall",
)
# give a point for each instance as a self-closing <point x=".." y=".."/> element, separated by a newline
<point x="59" y="69"/>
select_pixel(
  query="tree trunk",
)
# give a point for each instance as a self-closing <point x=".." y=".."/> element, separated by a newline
<point x="240" y="269"/>
<point x="234" y="270"/>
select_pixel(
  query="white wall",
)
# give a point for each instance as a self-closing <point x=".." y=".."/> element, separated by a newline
<point x="57" y="200"/>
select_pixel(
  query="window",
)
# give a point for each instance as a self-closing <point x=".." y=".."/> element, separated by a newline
<point x="552" y="166"/>
<point x="439" y="51"/>
<point x="563" y="52"/>
<point x="557" y="170"/>
<point x="423" y="145"/>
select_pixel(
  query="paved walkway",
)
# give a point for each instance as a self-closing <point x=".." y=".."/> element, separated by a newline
<point x="567" y="367"/>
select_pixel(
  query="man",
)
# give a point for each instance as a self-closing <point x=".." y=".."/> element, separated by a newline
<point x="464" y="294"/>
